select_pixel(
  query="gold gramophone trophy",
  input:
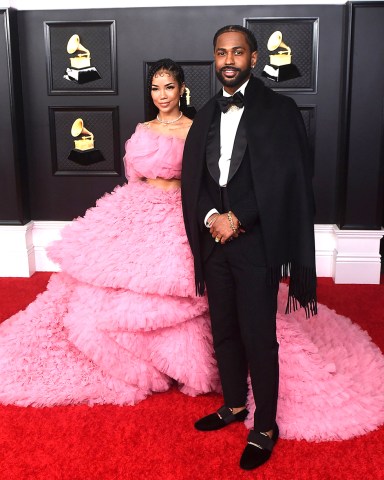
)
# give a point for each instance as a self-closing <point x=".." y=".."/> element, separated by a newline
<point x="80" y="70"/>
<point x="280" y="66"/>
<point x="84" y="152"/>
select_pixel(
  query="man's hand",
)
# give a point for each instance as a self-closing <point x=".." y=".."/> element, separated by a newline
<point x="221" y="229"/>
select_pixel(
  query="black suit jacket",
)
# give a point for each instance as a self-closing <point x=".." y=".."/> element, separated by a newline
<point x="281" y="175"/>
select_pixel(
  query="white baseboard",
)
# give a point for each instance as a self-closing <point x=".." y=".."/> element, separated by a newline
<point x="348" y="256"/>
<point x="325" y="245"/>
<point x="23" y="248"/>
<point x="357" y="256"/>
<point x="43" y="234"/>
<point x="17" y="258"/>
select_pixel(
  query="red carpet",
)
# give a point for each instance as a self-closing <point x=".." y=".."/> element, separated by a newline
<point x="156" y="440"/>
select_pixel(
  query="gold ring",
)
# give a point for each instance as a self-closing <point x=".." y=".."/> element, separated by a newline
<point x="217" y="239"/>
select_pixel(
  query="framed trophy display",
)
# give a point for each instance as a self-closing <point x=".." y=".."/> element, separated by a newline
<point x="287" y="52"/>
<point x="84" y="140"/>
<point x="81" y="57"/>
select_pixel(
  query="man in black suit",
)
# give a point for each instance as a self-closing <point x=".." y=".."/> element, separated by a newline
<point x="248" y="211"/>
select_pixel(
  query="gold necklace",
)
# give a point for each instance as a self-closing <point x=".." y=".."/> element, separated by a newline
<point x="167" y="122"/>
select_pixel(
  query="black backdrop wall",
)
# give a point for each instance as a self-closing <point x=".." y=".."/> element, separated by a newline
<point x="343" y="105"/>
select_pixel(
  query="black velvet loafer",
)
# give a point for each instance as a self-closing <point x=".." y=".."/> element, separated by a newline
<point x="220" y="419"/>
<point x="258" y="449"/>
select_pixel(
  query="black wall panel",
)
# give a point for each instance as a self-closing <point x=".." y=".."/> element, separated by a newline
<point x="362" y="206"/>
<point x="185" y="34"/>
<point x="13" y="164"/>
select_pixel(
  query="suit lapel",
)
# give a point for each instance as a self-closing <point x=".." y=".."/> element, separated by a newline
<point x="213" y="147"/>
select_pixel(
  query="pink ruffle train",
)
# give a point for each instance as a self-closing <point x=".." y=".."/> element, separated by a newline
<point x="331" y="376"/>
<point x="121" y="320"/>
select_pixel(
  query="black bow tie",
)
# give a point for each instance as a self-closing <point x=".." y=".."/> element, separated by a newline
<point x="226" y="102"/>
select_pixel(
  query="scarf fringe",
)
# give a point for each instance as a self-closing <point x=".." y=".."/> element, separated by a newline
<point x="200" y="288"/>
<point x="302" y="286"/>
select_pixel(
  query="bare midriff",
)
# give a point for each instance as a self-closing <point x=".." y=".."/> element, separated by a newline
<point x="163" y="183"/>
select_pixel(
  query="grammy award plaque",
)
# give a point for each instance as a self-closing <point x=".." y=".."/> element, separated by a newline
<point x="84" y="152"/>
<point x="280" y="66"/>
<point x="80" y="70"/>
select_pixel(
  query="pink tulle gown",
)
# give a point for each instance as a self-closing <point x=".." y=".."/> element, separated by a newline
<point x="121" y="320"/>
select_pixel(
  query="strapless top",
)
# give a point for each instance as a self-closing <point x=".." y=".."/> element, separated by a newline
<point x="149" y="154"/>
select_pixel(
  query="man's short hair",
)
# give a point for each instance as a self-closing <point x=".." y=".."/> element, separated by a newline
<point x="250" y="37"/>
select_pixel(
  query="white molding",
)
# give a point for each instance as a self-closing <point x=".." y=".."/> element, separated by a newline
<point x="325" y="242"/>
<point x="17" y="257"/>
<point x="357" y="256"/>
<point x="348" y="256"/>
<point x="23" y="248"/>
<point x="45" y="232"/>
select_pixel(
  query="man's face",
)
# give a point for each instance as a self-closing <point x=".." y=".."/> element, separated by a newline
<point x="233" y="60"/>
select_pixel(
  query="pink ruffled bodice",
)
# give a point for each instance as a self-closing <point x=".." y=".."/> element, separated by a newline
<point x="151" y="155"/>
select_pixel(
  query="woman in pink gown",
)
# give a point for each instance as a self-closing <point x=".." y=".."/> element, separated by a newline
<point x="121" y="319"/>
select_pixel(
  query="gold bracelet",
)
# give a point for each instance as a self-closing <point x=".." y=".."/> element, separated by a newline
<point x="230" y="219"/>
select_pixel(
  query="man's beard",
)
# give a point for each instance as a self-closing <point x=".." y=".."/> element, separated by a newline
<point x="234" y="82"/>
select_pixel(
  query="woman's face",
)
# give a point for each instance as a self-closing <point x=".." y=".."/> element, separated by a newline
<point x="166" y="92"/>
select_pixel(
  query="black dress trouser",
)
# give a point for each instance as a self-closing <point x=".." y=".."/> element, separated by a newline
<point x="243" y="316"/>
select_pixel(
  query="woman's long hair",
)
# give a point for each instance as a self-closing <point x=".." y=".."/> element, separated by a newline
<point x="177" y="73"/>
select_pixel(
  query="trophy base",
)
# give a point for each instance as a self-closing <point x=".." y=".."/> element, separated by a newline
<point x="83" y="75"/>
<point x="86" y="157"/>
<point x="281" y="73"/>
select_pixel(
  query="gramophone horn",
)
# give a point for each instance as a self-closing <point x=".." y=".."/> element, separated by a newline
<point x="74" y="44"/>
<point x="276" y="40"/>
<point x="78" y="128"/>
